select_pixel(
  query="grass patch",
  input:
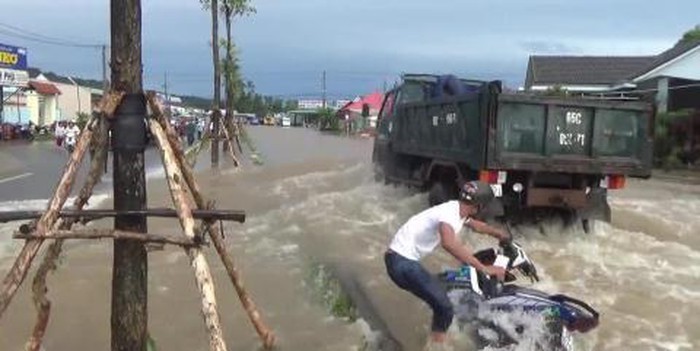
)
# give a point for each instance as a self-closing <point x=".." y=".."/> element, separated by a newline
<point x="327" y="290"/>
<point x="254" y="154"/>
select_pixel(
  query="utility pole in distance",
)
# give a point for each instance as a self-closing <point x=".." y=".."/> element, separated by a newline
<point x="324" y="89"/>
<point x="167" y="99"/>
<point x="105" y="82"/>
<point x="129" y="317"/>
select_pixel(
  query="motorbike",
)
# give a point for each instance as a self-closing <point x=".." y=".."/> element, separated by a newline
<point x="24" y="132"/>
<point x="69" y="143"/>
<point x="503" y="314"/>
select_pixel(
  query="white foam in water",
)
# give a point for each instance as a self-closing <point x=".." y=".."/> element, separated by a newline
<point x="628" y="276"/>
<point x="7" y="245"/>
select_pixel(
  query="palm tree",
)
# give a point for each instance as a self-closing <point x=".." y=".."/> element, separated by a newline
<point x="231" y="9"/>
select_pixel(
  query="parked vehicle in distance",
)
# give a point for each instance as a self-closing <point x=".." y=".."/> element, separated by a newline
<point x="269" y="120"/>
<point x="286" y="122"/>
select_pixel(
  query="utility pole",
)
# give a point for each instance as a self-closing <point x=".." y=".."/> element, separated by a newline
<point x="324" y="89"/>
<point x="167" y="100"/>
<point x="129" y="318"/>
<point x="105" y="82"/>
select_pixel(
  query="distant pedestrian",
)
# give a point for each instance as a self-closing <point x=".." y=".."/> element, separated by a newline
<point x="191" y="130"/>
<point x="200" y="128"/>
<point x="59" y="133"/>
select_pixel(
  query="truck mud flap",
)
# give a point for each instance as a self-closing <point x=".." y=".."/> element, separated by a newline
<point x="597" y="207"/>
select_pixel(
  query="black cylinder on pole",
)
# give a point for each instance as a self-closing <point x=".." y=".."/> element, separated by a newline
<point x="129" y="124"/>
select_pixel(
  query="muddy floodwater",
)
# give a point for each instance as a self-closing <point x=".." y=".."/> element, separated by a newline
<point x="314" y="203"/>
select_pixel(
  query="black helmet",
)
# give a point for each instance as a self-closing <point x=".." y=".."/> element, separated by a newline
<point x="476" y="192"/>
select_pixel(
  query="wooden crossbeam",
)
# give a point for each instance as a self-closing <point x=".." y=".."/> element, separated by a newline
<point x="112" y="234"/>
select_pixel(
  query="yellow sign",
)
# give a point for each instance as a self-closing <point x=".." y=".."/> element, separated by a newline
<point x="9" y="58"/>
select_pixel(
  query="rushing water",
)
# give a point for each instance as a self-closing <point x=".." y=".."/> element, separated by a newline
<point x="315" y="201"/>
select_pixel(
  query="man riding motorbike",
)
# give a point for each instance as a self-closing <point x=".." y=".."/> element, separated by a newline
<point x="71" y="136"/>
<point x="422" y="233"/>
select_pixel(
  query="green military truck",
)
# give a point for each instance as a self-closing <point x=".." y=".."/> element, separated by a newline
<point x="543" y="155"/>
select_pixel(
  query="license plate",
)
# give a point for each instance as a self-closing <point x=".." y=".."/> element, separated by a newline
<point x="497" y="190"/>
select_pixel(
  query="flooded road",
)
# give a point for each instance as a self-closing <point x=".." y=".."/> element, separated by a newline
<point x="315" y="201"/>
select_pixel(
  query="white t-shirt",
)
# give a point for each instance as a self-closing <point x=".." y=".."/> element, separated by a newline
<point x="72" y="132"/>
<point x="420" y="235"/>
<point x="60" y="131"/>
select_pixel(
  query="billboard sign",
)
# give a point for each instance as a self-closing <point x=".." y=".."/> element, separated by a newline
<point x="13" y="66"/>
<point x="12" y="57"/>
<point x="310" y="104"/>
<point x="13" y="78"/>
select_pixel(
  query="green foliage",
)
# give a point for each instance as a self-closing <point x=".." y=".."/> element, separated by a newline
<point x="668" y="146"/>
<point x="327" y="120"/>
<point x="151" y="344"/>
<point x="237" y="8"/>
<point x="555" y="91"/>
<point x="81" y="119"/>
<point x="692" y="35"/>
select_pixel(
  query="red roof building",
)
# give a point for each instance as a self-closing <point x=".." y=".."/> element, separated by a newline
<point x="44" y="88"/>
<point x="351" y="113"/>
<point x="374" y="101"/>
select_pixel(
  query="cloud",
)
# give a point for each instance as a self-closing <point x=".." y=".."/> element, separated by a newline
<point x="549" y="47"/>
<point x="360" y="43"/>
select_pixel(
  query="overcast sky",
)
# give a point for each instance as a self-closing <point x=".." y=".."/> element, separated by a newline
<point x="360" y="43"/>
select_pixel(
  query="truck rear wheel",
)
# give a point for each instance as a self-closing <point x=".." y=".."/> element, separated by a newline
<point x="588" y="225"/>
<point x="438" y="193"/>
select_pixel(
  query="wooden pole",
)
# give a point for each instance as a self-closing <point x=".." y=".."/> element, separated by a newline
<point x="86" y="216"/>
<point x="129" y="310"/>
<point x="177" y="149"/>
<point x="197" y="260"/>
<point x="39" y="290"/>
<point x="60" y="235"/>
<point x="23" y="262"/>
<point x="48" y="264"/>
<point x="237" y="133"/>
<point x="264" y="332"/>
<point x="230" y="149"/>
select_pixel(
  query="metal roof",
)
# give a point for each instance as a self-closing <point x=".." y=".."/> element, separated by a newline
<point x="588" y="70"/>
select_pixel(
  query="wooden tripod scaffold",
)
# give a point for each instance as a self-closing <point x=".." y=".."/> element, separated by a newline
<point x="56" y="224"/>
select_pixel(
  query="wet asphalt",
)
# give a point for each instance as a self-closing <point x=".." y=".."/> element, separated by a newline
<point x="31" y="170"/>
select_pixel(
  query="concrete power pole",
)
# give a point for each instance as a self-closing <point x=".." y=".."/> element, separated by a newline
<point x="324" y="89"/>
<point x="167" y="99"/>
<point x="129" y="318"/>
<point x="105" y="81"/>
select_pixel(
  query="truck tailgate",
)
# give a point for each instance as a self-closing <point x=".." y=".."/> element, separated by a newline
<point x="565" y="135"/>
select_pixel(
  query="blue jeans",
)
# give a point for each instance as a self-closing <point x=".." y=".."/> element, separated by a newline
<point x="410" y="275"/>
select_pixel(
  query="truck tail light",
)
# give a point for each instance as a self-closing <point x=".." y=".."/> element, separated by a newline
<point x="493" y="177"/>
<point x="615" y="181"/>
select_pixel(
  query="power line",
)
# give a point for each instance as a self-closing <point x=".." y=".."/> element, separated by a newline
<point x="17" y="32"/>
